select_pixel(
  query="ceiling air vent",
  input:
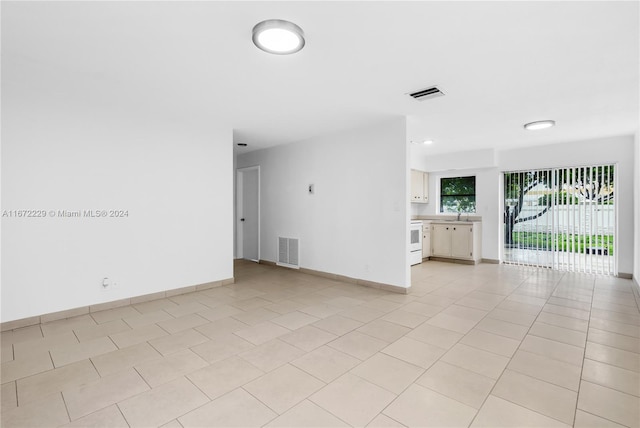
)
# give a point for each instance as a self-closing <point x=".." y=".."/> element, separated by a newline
<point x="428" y="93"/>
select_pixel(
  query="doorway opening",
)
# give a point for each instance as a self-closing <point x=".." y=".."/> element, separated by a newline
<point x="561" y="218"/>
<point x="248" y="213"/>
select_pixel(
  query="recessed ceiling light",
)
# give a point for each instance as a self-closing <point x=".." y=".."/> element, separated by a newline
<point x="278" y="37"/>
<point x="541" y="124"/>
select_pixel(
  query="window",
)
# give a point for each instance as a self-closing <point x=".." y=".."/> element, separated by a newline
<point x="458" y="195"/>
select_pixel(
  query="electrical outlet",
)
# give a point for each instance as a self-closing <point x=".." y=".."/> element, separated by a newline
<point x="106" y="284"/>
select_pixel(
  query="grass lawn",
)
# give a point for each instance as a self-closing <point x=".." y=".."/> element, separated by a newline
<point x="563" y="242"/>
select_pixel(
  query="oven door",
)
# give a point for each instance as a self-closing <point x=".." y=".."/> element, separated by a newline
<point x="415" y="243"/>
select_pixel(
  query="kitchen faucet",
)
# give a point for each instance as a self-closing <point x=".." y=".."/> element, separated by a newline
<point x="459" y="215"/>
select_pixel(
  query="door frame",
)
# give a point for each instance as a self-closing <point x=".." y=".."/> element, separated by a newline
<point x="614" y="268"/>
<point x="240" y="209"/>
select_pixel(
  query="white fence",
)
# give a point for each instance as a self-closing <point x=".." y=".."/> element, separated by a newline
<point x="583" y="219"/>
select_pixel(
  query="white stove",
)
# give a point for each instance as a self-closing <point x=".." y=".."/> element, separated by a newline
<point x="415" y="242"/>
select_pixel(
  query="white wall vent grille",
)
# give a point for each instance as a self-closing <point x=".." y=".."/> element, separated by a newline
<point x="288" y="252"/>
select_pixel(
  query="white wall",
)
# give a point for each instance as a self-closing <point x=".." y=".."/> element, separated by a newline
<point x="636" y="216"/>
<point x="617" y="150"/>
<point x="175" y="182"/>
<point x="472" y="159"/>
<point x="356" y="223"/>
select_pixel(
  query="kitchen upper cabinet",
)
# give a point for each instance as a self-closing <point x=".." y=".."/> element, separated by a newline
<point x="419" y="186"/>
<point x="456" y="240"/>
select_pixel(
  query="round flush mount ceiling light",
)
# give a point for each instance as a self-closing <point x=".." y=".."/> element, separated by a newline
<point x="278" y="37"/>
<point x="541" y="124"/>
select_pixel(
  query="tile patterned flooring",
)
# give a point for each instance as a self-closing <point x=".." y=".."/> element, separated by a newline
<point x="481" y="346"/>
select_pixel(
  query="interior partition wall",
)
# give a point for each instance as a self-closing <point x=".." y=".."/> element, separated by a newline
<point x="561" y="218"/>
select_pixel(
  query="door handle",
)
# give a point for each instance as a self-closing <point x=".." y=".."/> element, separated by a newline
<point x="241" y="219"/>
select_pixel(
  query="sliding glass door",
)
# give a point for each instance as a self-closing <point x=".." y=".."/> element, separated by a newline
<point x="561" y="218"/>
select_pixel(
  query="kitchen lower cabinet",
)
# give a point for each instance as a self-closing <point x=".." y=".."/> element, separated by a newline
<point x="426" y="240"/>
<point x="462" y="241"/>
<point x="440" y="240"/>
<point x="456" y="240"/>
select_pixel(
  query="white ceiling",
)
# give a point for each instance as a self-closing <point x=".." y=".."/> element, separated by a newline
<point x="501" y="64"/>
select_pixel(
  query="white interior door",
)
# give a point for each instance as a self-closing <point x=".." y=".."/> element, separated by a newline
<point x="249" y="213"/>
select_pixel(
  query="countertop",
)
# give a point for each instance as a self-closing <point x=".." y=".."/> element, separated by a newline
<point x="444" y="221"/>
<point x="452" y="221"/>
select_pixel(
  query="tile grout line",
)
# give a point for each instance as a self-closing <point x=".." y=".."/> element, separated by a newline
<point x="16" y="392"/>
<point x="66" y="408"/>
<point x="612" y="346"/>
<point x="52" y="363"/>
<point x="615" y="332"/>
<point x="607" y="386"/>
<point x="123" y="416"/>
<point x="114" y="343"/>
<point x="326" y="410"/>
<point x="95" y="368"/>
<point x="223" y="395"/>
<point x="615" y="347"/>
<point x="186" y="376"/>
<point x="602" y="417"/>
<point x="143" y="379"/>
<point x="584" y="354"/>
<point x="127" y="398"/>
<point x="619" y="312"/>
<point x="265" y="404"/>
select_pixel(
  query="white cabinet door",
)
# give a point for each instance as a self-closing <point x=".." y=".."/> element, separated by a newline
<point x="426" y="242"/>
<point x="425" y="187"/>
<point x="417" y="186"/>
<point x="441" y="240"/>
<point x="461" y="241"/>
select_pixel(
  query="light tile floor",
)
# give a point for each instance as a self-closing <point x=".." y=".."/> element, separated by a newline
<point x="487" y="345"/>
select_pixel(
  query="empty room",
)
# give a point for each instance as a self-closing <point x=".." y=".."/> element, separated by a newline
<point x="320" y="214"/>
